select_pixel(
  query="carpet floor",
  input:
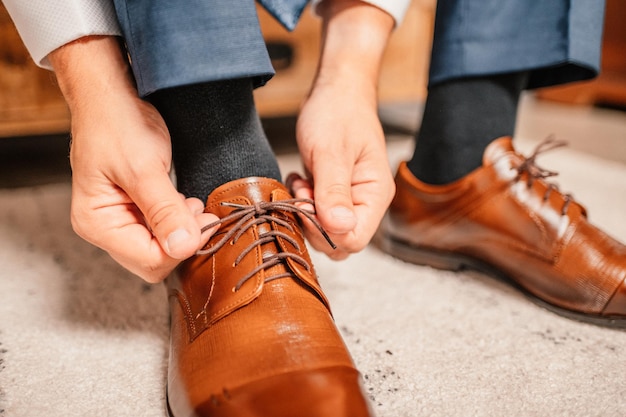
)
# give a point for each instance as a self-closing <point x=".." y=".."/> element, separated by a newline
<point x="79" y="336"/>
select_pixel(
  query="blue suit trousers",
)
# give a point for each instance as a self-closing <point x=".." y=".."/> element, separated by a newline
<point x="557" y="41"/>
<point x="179" y="42"/>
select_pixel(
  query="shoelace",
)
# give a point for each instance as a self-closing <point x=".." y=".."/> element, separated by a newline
<point x="534" y="171"/>
<point x="247" y="216"/>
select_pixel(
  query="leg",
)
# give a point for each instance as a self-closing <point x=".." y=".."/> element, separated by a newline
<point x="216" y="134"/>
<point x="484" y="54"/>
<point x="206" y="101"/>
<point x="450" y="143"/>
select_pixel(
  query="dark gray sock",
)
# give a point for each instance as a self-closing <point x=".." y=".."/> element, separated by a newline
<point x="216" y="135"/>
<point x="461" y="118"/>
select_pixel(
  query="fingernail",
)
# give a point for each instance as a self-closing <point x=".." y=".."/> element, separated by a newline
<point x="176" y="241"/>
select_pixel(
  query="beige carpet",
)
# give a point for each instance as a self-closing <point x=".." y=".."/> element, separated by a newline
<point x="81" y="337"/>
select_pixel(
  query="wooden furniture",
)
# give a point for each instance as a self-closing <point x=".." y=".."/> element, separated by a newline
<point x="31" y="104"/>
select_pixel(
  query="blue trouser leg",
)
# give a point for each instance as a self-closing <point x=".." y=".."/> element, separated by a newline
<point x="180" y="42"/>
<point x="556" y="41"/>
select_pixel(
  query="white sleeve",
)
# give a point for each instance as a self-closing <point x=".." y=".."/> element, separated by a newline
<point x="45" y="25"/>
<point x="396" y="8"/>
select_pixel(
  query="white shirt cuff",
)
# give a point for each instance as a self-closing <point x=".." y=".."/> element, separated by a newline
<point x="45" y="25"/>
<point x="396" y="8"/>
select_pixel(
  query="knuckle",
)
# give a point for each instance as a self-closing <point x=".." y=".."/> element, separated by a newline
<point x="159" y="213"/>
<point x="338" y="189"/>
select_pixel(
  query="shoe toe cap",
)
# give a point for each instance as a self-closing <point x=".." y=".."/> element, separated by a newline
<point x="326" y="392"/>
<point x="617" y="304"/>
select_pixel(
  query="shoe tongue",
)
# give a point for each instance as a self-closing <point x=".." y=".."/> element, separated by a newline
<point x="243" y="191"/>
<point x="497" y="149"/>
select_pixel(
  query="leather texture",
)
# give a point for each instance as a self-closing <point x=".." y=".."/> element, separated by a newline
<point x="251" y="330"/>
<point x="506" y="219"/>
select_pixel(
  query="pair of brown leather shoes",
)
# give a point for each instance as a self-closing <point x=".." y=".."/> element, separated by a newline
<point x="507" y="220"/>
<point x="251" y="330"/>
<point x="252" y="334"/>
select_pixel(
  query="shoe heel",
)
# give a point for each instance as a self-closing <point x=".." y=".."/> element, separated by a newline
<point x="419" y="255"/>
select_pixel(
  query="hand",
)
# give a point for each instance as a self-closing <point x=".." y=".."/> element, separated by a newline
<point x="342" y="147"/>
<point x="339" y="136"/>
<point x="123" y="200"/>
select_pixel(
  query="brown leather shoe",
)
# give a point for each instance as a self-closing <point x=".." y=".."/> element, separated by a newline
<point x="506" y="220"/>
<point x="251" y="331"/>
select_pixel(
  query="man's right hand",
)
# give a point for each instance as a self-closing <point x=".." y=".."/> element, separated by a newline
<point x="123" y="200"/>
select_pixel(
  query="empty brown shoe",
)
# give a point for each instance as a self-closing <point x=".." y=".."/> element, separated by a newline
<point x="251" y="331"/>
<point x="507" y="220"/>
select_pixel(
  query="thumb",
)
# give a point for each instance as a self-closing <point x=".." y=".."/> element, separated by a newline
<point x="333" y="195"/>
<point x="170" y="219"/>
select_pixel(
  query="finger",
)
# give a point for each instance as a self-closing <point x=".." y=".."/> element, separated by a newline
<point x="300" y="188"/>
<point x="194" y="204"/>
<point x="202" y="220"/>
<point x="138" y="251"/>
<point x="333" y="195"/>
<point x="292" y="178"/>
<point x="121" y="231"/>
<point x="319" y="243"/>
<point x="171" y="220"/>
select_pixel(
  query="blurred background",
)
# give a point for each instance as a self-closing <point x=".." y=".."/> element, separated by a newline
<point x="34" y="120"/>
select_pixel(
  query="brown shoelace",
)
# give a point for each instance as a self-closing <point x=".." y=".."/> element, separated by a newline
<point x="247" y="216"/>
<point x="535" y="172"/>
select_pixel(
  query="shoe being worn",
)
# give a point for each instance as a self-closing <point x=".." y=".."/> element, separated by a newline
<point x="506" y="220"/>
<point x="251" y="331"/>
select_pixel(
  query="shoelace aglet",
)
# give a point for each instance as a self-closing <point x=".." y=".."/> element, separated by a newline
<point x="330" y="242"/>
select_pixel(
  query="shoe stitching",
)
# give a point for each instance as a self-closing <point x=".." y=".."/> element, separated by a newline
<point x="229" y="189"/>
<point x="208" y="300"/>
<point x="187" y="311"/>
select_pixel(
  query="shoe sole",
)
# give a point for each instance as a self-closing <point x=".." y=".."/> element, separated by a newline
<point x="450" y="261"/>
<point x="167" y="404"/>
